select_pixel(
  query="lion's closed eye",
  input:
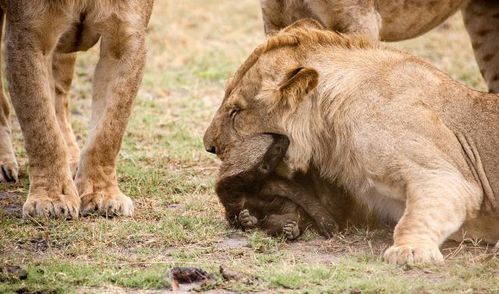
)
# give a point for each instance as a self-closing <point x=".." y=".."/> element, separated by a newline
<point x="233" y="112"/>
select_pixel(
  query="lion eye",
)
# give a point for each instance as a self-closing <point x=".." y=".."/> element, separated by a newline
<point x="233" y="112"/>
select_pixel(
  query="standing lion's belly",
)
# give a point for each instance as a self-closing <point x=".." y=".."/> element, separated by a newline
<point x="410" y="18"/>
<point x="80" y="36"/>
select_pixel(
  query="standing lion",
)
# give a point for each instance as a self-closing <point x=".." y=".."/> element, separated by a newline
<point x="41" y="39"/>
<point x="395" y="20"/>
<point x="399" y="135"/>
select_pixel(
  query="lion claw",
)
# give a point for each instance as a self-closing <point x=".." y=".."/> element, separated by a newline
<point x="65" y="206"/>
<point x="8" y="173"/>
<point x="404" y="254"/>
<point x="108" y="205"/>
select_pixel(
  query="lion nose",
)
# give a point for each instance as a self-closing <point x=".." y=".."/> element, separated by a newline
<point x="211" y="149"/>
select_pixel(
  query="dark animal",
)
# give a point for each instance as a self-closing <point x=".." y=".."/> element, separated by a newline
<point x="255" y="195"/>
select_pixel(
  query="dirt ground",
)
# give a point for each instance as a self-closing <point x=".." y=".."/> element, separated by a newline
<point x="193" y="47"/>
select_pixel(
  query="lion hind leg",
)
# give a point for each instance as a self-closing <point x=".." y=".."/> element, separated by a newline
<point x="116" y="82"/>
<point x="8" y="164"/>
<point x="63" y="71"/>
<point x="481" y="18"/>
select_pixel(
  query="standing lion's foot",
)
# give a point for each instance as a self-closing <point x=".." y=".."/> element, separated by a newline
<point x="99" y="192"/>
<point x="61" y="201"/>
<point x="406" y="254"/>
<point x="8" y="164"/>
<point x="107" y="202"/>
<point x="246" y="219"/>
<point x="291" y="230"/>
<point x="8" y="170"/>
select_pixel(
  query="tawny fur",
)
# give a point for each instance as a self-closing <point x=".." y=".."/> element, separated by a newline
<point x="395" y="20"/>
<point x="8" y="163"/>
<point x="398" y="134"/>
<point x="41" y="39"/>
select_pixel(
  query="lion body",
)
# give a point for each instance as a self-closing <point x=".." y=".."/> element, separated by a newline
<point x="399" y="135"/>
<point x="41" y="40"/>
<point x="397" y="20"/>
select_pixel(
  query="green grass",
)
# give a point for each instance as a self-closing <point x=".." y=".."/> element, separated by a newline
<point x="193" y="47"/>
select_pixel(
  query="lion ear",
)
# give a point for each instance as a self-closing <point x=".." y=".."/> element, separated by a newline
<point x="297" y="83"/>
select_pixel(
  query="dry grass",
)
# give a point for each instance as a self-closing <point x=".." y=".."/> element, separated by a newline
<point x="194" y="46"/>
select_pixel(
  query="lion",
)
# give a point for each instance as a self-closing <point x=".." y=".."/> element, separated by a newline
<point x="257" y="191"/>
<point x="41" y="41"/>
<point x="8" y="163"/>
<point x="399" y="135"/>
<point x="390" y="20"/>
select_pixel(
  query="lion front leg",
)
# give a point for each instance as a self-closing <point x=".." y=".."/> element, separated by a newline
<point x="30" y="42"/>
<point x="435" y="209"/>
<point x="116" y="82"/>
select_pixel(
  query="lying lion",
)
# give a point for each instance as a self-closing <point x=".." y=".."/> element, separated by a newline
<point x="256" y="194"/>
<point x="398" y="134"/>
<point x="41" y="39"/>
<point x="395" y="20"/>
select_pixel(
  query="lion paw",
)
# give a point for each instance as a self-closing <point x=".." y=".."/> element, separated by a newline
<point x="108" y="204"/>
<point x="404" y="254"/>
<point x="291" y="230"/>
<point x="8" y="164"/>
<point x="8" y="171"/>
<point x="46" y="205"/>
<point x="246" y="219"/>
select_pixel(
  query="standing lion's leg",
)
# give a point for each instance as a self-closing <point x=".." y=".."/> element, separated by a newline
<point x="273" y="14"/>
<point x="435" y="208"/>
<point x="116" y="82"/>
<point x="8" y="163"/>
<point x="30" y="42"/>
<point x="481" y="18"/>
<point x="342" y="16"/>
<point x="63" y="70"/>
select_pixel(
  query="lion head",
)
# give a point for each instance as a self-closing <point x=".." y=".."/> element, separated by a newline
<point x="273" y="87"/>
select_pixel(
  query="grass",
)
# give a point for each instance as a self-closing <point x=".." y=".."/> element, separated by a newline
<point x="193" y="47"/>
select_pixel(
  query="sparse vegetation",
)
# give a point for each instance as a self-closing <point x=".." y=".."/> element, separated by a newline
<point x="193" y="47"/>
